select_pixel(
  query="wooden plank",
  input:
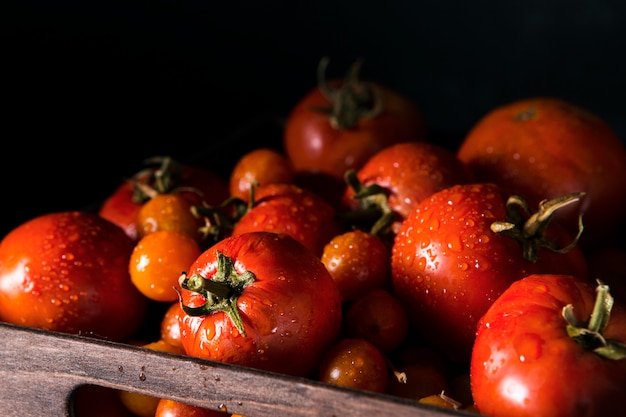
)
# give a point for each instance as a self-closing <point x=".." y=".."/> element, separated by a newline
<point x="41" y="369"/>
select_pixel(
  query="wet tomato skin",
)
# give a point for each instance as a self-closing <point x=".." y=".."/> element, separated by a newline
<point x="291" y="313"/>
<point x="525" y="364"/>
<point x="68" y="272"/>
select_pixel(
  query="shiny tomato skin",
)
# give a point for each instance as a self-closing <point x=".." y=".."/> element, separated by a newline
<point x="291" y="312"/>
<point x="545" y="147"/>
<point x="290" y="209"/>
<point x="171" y="408"/>
<point x="525" y="364"/>
<point x="447" y="264"/>
<point x="314" y="144"/>
<point x="68" y="272"/>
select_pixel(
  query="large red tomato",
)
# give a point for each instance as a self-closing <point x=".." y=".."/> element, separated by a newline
<point x="545" y="147"/>
<point x="68" y="272"/>
<point x="261" y="300"/>
<point x="529" y="361"/>
<point x="340" y="124"/>
<point x="448" y="265"/>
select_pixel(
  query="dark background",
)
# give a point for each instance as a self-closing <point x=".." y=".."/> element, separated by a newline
<point x="90" y="88"/>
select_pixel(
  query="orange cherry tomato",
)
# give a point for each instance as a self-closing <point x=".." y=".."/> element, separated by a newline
<point x="260" y="166"/>
<point x="168" y="212"/>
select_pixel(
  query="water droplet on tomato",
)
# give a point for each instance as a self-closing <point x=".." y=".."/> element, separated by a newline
<point x="454" y="243"/>
<point x="528" y="346"/>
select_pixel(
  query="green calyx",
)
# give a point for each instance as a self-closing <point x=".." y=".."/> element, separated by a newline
<point x="221" y="292"/>
<point x="529" y="228"/>
<point x="589" y="334"/>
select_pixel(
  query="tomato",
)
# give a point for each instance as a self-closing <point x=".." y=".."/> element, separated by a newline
<point x="298" y="212"/>
<point x="171" y="408"/>
<point x="359" y="262"/>
<point x="163" y="175"/>
<point x="262" y="300"/>
<point x="355" y="363"/>
<point x="68" y="272"/>
<point x="544" y="147"/>
<point x="448" y="265"/>
<point x="259" y="166"/>
<point x="158" y="260"/>
<point x="169" y="329"/>
<point x="538" y="352"/>
<point x="379" y="318"/>
<point x="404" y="174"/>
<point x="340" y="124"/>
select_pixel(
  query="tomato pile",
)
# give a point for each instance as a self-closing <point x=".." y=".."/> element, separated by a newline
<point x="360" y="254"/>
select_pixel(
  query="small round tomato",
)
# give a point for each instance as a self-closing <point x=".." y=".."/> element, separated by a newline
<point x="169" y="212"/>
<point x="355" y="363"/>
<point x="68" y="272"/>
<point x="259" y="166"/>
<point x="170" y="325"/>
<point x="262" y="300"/>
<point x="550" y="345"/>
<point x="359" y="262"/>
<point x="448" y="264"/>
<point x="340" y="124"/>
<point x="544" y="147"/>
<point x="158" y="260"/>
<point x="379" y="318"/>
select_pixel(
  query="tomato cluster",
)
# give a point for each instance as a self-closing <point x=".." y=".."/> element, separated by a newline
<point x="360" y="254"/>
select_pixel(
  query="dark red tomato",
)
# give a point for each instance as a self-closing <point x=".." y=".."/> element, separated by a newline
<point x="261" y="300"/>
<point x="68" y="272"/>
<point x="448" y="265"/>
<point x="298" y="212"/>
<point x="339" y="125"/>
<point x="544" y="147"/>
<point x="359" y="262"/>
<point x="195" y="183"/>
<point x="259" y="166"/>
<point x="528" y="360"/>
<point x="406" y="173"/>
<point x="355" y="363"/>
<point x="171" y="408"/>
<point x="379" y="318"/>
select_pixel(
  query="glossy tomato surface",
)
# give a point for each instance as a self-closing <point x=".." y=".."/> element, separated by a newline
<point x="448" y="266"/>
<point x="525" y="364"/>
<point x="68" y="272"/>
<point x="290" y="312"/>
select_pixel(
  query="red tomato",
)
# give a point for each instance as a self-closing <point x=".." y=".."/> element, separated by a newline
<point x="545" y="147"/>
<point x="261" y="300"/>
<point x="524" y="363"/>
<point x="168" y="176"/>
<point x="359" y="262"/>
<point x="170" y="325"/>
<point x="259" y="166"/>
<point x="68" y="272"/>
<point x="339" y="125"/>
<point x="405" y="173"/>
<point x="448" y="266"/>
<point x="287" y="208"/>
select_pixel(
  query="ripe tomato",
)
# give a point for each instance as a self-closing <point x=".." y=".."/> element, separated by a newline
<point x="355" y="363"/>
<point x="259" y="166"/>
<point x="158" y="260"/>
<point x="170" y="325"/>
<point x="68" y="272"/>
<point x="163" y="175"/>
<point x="298" y="212"/>
<point x="448" y="266"/>
<point x="379" y="318"/>
<point x="261" y="300"/>
<point x="542" y="148"/>
<point x="340" y="124"/>
<point x="404" y="174"/>
<point x="359" y="262"/>
<point x="526" y="363"/>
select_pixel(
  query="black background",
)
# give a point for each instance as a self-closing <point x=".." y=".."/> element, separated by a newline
<point x="90" y="88"/>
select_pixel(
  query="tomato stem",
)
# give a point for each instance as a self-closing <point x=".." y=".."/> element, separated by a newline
<point x="221" y="292"/>
<point x="529" y="228"/>
<point x="589" y="335"/>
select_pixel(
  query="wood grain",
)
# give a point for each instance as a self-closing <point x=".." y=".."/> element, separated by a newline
<point x="40" y="370"/>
